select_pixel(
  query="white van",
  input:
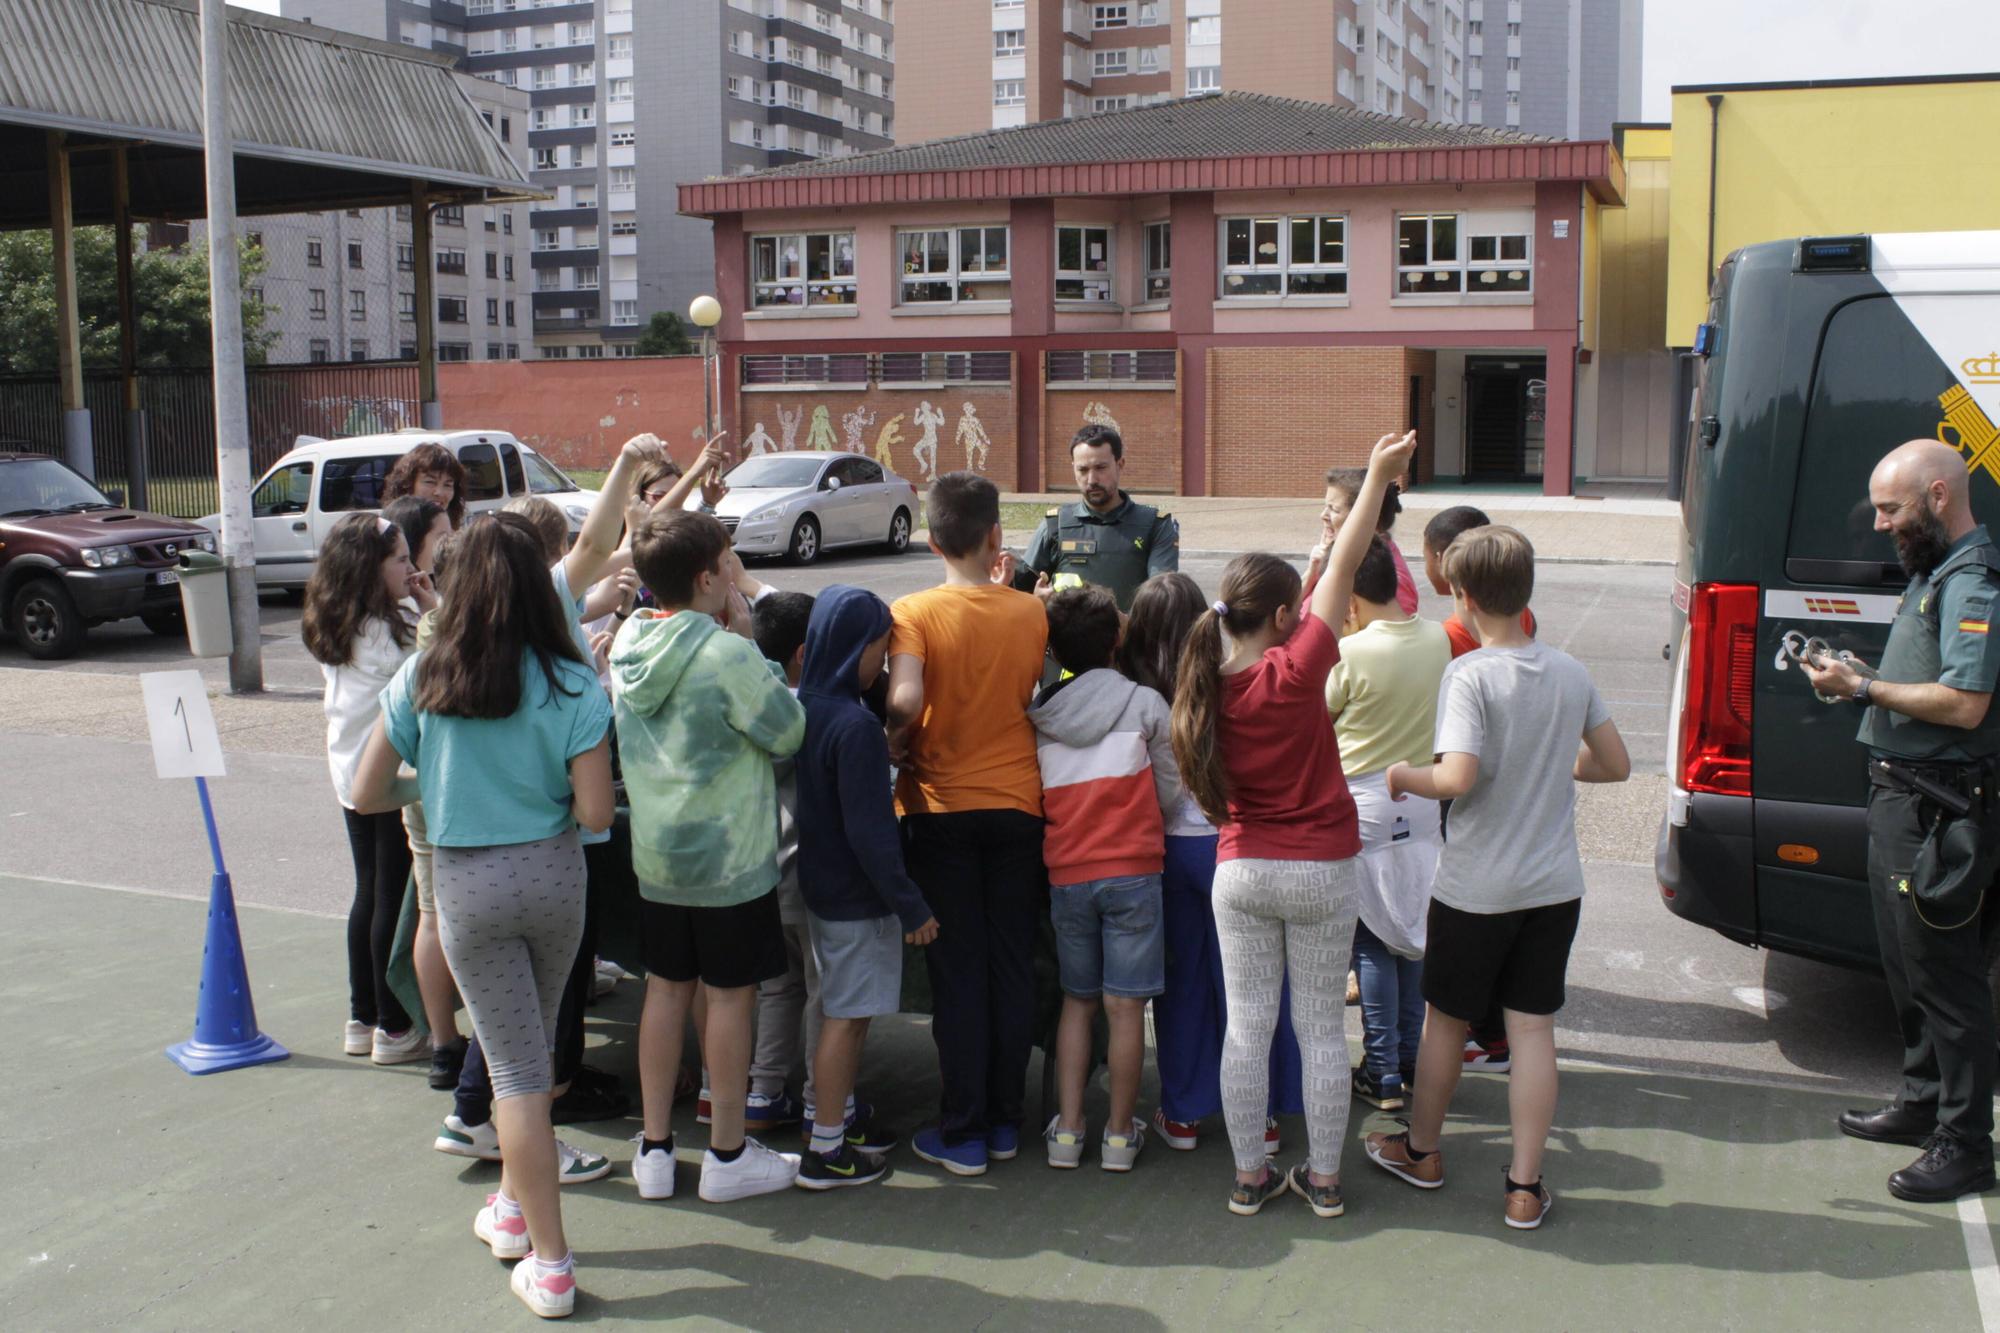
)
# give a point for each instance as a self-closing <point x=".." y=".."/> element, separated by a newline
<point x="321" y="481"/>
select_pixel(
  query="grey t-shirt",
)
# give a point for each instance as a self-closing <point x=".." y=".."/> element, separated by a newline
<point x="1511" y="842"/>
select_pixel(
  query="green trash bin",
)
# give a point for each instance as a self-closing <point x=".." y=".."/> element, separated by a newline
<point x="205" y="603"/>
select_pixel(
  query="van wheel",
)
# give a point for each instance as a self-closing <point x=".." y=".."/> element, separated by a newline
<point x="899" y="532"/>
<point x="46" y="621"/>
<point x="804" y="547"/>
<point x="168" y="622"/>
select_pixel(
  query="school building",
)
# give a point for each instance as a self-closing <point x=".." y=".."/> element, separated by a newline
<point x="1250" y="287"/>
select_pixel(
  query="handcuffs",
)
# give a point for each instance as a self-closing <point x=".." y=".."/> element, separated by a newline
<point x="1815" y="652"/>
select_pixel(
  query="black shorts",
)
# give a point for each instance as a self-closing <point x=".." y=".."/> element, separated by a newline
<point x="724" y="947"/>
<point x="1515" y="960"/>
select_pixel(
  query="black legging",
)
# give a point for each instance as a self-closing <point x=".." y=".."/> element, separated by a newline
<point x="381" y="851"/>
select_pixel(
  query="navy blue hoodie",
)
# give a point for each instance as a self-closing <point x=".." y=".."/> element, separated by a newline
<point x="850" y="850"/>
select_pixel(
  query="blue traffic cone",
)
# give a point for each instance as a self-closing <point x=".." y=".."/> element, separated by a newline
<point x="225" y="1017"/>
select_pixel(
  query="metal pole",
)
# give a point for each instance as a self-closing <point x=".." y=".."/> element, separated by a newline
<point x="225" y="308"/>
<point x="128" y="333"/>
<point x="69" y="352"/>
<point x="431" y="413"/>
<point x="707" y="385"/>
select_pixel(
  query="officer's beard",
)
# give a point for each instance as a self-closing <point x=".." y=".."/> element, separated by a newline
<point x="1096" y="496"/>
<point x="1921" y="547"/>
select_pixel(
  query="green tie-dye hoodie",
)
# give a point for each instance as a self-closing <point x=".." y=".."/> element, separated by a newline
<point x="700" y="716"/>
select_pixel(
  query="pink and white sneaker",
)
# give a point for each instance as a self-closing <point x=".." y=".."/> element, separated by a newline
<point x="552" y="1295"/>
<point x="507" y="1237"/>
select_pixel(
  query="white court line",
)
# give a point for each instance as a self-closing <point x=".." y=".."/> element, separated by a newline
<point x="163" y="893"/>
<point x="1980" y="1258"/>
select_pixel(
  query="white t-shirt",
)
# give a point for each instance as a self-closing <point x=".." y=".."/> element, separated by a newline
<point x="353" y="701"/>
<point x="1511" y="841"/>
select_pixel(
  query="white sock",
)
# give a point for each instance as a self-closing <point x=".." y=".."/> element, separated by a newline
<point x="505" y="1207"/>
<point x="826" y="1140"/>
<point x="549" y="1267"/>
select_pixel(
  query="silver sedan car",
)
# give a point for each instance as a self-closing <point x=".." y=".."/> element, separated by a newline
<point x="801" y="503"/>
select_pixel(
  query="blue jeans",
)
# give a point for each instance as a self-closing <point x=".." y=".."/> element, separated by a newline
<point x="1392" y="1004"/>
<point x="1109" y="940"/>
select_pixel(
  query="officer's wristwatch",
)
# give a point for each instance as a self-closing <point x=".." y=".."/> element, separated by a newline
<point x="1861" y="691"/>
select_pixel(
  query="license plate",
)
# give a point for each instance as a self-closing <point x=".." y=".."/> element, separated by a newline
<point x="167" y="576"/>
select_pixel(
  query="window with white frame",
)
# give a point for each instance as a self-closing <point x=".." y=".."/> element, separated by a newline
<point x="586" y="278"/>
<point x="1110" y="16"/>
<point x="1104" y="64"/>
<point x="618" y="92"/>
<point x="1205" y="30"/>
<point x="1204" y="79"/>
<point x="547" y="159"/>
<point x="1454" y="253"/>
<point x="357" y="305"/>
<point x="406" y="305"/>
<point x="624" y="312"/>
<point x="947" y="264"/>
<point x="795" y="97"/>
<point x="802" y="269"/>
<point x="548" y="240"/>
<point x="1109" y="103"/>
<point x="1010" y="42"/>
<point x="618" y="48"/>
<point x="545" y="77"/>
<point x="1083" y="264"/>
<point x="1298" y="255"/>
<point x="1010" y="92"/>
<point x="1159" y="261"/>
<point x="624" y="178"/>
<point x="583" y="113"/>
<point x="624" y="138"/>
<point x="1149" y="59"/>
<point x="1009" y="4"/>
<point x="624" y="226"/>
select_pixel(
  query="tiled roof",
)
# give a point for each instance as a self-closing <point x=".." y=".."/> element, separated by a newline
<point x="1226" y="125"/>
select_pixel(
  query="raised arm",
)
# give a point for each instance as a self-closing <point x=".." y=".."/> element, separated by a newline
<point x="712" y="456"/>
<point x="1386" y="462"/>
<point x="599" y="536"/>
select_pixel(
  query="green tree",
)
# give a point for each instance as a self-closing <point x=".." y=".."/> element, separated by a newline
<point x="169" y="294"/>
<point x="665" y="335"/>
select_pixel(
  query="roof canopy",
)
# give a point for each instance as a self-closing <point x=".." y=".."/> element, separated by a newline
<point x="1231" y="141"/>
<point x="320" y="119"/>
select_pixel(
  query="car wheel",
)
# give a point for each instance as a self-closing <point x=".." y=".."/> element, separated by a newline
<point x="899" y="532"/>
<point x="167" y="622"/>
<point x="804" y="548"/>
<point x="46" y="621"/>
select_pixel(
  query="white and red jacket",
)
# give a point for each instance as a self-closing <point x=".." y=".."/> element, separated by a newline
<point x="1108" y="777"/>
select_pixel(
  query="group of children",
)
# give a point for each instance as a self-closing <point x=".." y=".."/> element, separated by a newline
<point x="1213" y="807"/>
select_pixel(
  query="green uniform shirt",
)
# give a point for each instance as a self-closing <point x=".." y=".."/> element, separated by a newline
<point x="1941" y="634"/>
<point x="1118" y="550"/>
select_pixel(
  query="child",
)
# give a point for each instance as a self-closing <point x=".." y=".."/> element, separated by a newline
<point x="1509" y="884"/>
<point x="862" y="906"/>
<point x="1486" y="1043"/>
<point x="1256" y="748"/>
<point x="1105" y="747"/>
<point x="1383" y="697"/>
<point x="506" y="728"/>
<point x="701" y="715"/>
<point x="1189" y="1014"/>
<point x="1343" y="488"/>
<point x="964" y="661"/>
<point x="360" y="628"/>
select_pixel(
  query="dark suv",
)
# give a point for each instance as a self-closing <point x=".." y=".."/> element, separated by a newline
<point x="70" y="558"/>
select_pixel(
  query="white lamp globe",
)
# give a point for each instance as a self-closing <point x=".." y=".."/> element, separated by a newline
<point x="705" y="311"/>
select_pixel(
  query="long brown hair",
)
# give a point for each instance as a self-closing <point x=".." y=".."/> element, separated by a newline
<point x="424" y="460"/>
<point x="1254" y="586"/>
<point x="1163" y="611"/>
<point x="502" y="607"/>
<point x="1349" y="481"/>
<point x="346" y="590"/>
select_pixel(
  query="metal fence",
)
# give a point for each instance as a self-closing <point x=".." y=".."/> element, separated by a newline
<point x="333" y="400"/>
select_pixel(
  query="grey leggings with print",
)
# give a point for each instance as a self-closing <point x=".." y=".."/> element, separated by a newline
<point x="510" y="919"/>
<point x="1273" y="917"/>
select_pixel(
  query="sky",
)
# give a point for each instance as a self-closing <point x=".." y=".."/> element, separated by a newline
<point x="1749" y="41"/>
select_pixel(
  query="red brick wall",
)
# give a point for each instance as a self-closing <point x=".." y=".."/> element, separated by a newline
<point x="577" y="413"/>
<point x="1278" y="417"/>
<point x="993" y="408"/>
<point x="1148" y="419"/>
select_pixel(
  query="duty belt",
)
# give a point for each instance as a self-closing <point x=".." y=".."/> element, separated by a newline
<point x="1953" y="788"/>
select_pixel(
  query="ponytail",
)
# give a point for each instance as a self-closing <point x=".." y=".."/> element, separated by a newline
<point x="1197" y="709"/>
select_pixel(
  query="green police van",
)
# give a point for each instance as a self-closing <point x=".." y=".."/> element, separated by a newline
<point x="1819" y="355"/>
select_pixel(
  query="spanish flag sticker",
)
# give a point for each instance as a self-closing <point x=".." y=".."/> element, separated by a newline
<point x="1971" y="627"/>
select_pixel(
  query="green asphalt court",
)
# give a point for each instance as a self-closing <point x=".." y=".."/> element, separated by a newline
<point x="306" y="1195"/>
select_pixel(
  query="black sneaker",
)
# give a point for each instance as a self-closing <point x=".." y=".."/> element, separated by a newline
<point x="446" y="1062"/>
<point x="593" y="1095"/>
<point x="870" y="1137"/>
<point x="1947" y="1169"/>
<point x="1325" y="1199"/>
<point x="1245" y="1200"/>
<point x="1386" y="1093"/>
<point x="842" y="1167"/>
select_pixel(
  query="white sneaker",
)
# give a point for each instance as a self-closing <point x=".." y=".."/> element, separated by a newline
<point x="653" y="1171"/>
<point x="1065" y="1145"/>
<point x="550" y="1295"/>
<point x="605" y="976"/>
<point x="1119" y="1151"/>
<point x="507" y="1237"/>
<point x="757" y="1171"/>
<point x="574" y="1166"/>
<point x="463" y="1140"/>
<point x="358" y="1039"/>
<point x="391" y="1048"/>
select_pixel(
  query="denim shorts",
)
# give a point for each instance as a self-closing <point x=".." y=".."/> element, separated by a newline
<point x="1109" y="937"/>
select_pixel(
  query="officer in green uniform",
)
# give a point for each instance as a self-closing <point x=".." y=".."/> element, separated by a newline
<point x="1106" y="539"/>
<point x="1932" y="743"/>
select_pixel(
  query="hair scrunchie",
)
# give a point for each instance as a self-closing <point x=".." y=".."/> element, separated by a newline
<point x="1220" y="608"/>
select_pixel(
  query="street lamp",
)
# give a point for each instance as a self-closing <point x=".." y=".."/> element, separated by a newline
<point x="706" y="312"/>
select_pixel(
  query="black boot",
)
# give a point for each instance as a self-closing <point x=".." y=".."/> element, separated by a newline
<point x="446" y="1062"/>
<point x="1947" y="1170"/>
<point x="1891" y="1124"/>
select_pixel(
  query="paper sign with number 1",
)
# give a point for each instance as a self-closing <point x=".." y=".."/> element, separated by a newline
<point x="185" y="743"/>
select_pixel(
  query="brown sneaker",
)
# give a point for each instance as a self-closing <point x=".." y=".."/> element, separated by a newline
<point x="1391" y="1152"/>
<point x="1527" y="1205"/>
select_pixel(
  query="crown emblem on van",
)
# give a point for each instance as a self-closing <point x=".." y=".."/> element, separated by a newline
<point x="1982" y="369"/>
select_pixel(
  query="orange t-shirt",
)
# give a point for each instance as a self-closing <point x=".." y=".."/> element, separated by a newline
<point x="973" y="748"/>
<point x="1462" y="640"/>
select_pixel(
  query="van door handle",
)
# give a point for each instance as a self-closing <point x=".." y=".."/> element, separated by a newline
<point x="298" y="527"/>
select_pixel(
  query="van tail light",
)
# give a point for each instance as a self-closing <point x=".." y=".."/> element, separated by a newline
<point x="1721" y="670"/>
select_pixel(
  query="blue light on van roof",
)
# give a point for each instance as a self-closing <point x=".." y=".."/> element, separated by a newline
<point x="1833" y="254"/>
<point x="1704" y="339"/>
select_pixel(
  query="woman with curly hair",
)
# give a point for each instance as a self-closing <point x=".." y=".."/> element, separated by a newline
<point x="430" y="472"/>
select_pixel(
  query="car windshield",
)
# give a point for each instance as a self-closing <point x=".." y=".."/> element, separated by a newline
<point x="544" y="477"/>
<point x="44" y="486"/>
<point x="769" y="473"/>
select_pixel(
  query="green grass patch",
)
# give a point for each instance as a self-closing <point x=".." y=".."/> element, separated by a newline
<point x="1018" y="517"/>
<point x="590" y="479"/>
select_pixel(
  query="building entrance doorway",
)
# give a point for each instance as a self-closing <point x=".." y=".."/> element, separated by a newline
<point x="1506" y="413"/>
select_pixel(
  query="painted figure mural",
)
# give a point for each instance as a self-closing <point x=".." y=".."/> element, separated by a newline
<point x="854" y="423"/>
<point x="928" y="419"/>
<point x="1096" y="413"/>
<point x="788" y="426"/>
<point x="972" y="438"/>
<point x="886" y="441"/>
<point x="820" y="435"/>
<point x="758" y="442"/>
